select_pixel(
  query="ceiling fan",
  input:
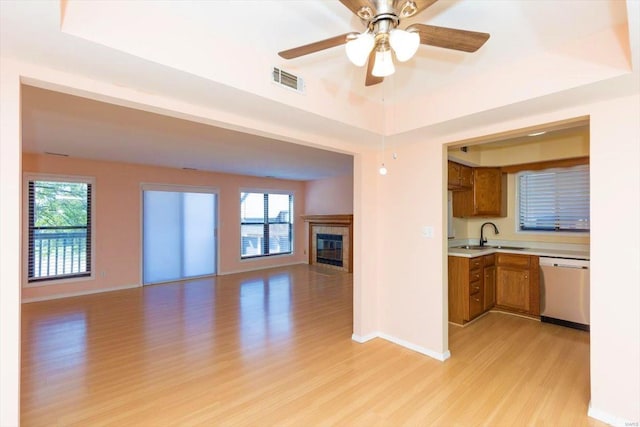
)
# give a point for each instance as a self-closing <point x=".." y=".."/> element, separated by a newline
<point x="382" y="36"/>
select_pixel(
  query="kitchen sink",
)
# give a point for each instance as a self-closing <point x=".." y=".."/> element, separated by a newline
<point x="511" y="248"/>
<point x="478" y="247"/>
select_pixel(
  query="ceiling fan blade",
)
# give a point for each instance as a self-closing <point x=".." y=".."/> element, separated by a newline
<point x="359" y="8"/>
<point x="450" y="38"/>
<point x="407" y="8"/>
<point x="315" y="47"/>
<point x="371" y="80"/>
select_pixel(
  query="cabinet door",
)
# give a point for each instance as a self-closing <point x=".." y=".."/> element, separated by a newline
<point x="466" y="176"/>
<point x="453" y="174"/>
<point x="489" y="287"/>
<point x="475" y="305"/>
<point x="512" y="288"/>
<point x="487" y="191"/>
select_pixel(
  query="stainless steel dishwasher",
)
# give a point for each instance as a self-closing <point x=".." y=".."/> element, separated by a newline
<point x="564" y="292"/>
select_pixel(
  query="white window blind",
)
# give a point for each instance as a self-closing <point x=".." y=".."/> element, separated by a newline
<point x="554" y="200"/>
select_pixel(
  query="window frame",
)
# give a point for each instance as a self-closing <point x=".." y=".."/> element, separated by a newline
<point x="30" y="176"/>
<point x="562" y="232"/>
<point x="265" y="224"/>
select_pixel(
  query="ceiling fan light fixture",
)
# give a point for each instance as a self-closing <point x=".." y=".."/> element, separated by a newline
<point x="358" y="48"/>
<point x="383" y="65"/>
<point x="404" y="43"/>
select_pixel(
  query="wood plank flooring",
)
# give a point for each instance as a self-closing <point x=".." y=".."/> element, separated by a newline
<point x="274" y="347"/>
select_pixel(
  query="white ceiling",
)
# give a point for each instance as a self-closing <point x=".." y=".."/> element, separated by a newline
<point x="53" y="122"/>
<point x="218" y="54"/>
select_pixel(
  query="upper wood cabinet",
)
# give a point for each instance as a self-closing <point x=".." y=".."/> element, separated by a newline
<point x="459" y="176"/>
<point x="487" y="196"/>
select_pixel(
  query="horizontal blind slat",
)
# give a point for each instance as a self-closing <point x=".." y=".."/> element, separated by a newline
<point x="554" y="199"/>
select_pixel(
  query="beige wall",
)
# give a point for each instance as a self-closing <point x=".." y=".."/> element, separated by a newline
<point x="118" y="234"/>
<point x="329" y="196"/>
<point x="546" y="148"/>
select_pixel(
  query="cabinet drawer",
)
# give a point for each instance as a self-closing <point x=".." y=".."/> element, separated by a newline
<point x="475" y="275"/>
<point x="513" y="260"/>
<point x="475" y="305"/>
<point x="474" y="287"/>
<point x="489" y="260"/>
<point x="475" y="263"/>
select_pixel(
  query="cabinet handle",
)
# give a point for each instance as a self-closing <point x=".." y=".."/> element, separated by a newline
<point x="526" y="277"/>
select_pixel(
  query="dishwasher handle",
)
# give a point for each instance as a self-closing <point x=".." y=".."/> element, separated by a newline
<point x="579" y="264"/>
<point x="577" y="267"/>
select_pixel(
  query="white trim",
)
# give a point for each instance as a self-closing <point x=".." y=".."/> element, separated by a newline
<point x="608" y="418"/>
<point x="438" y="356"/>
<point x="220" y="273"/>
<point x="61" y="281"/>
<point x="365" y="338"/>
<point x="406" y="344"/>
<point x="178" y="188"/>
<point x="184" y="279"/>
<point x="78" y="293"/>
<point x="263" y="190"/>
<point x="263" y="257"/>
<point x="175" y="188"/>
<point x="292" y="222"/>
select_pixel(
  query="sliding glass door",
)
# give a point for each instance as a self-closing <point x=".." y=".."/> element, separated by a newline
<point x="178" y="234"/>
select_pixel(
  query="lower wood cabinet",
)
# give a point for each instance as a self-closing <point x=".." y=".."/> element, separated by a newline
<point x="517" y="283"/>
<point x="471" y="287"/>
<point x="508" y="282"/>
<point x="489" y="282"/>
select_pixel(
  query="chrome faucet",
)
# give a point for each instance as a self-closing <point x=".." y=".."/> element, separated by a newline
<point x="483" y="239"/>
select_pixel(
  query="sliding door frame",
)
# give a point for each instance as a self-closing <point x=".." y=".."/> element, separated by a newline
<point x="180" y="189"/>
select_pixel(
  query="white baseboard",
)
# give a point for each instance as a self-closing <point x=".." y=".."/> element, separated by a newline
<point x="608" y="418"/>
<point x="78" y="293"/>
<point x="362" y="339"/>
<point x="438" y="356"/>
<point x="434" y="354"/>
<point x="287" y="264"/>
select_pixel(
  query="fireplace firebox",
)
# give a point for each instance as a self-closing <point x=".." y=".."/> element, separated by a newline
<point x="329" y="249"/>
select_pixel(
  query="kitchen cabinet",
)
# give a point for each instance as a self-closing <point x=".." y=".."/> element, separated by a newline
<point x="459" y="176"/>
<point x="470" y="294"/>
<point x="487" y="196"/>
<point x="489" y="282"/>
<point x="517" y="283"/>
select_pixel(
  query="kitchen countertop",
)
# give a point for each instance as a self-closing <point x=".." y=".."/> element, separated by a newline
<point x="550" y="252"/>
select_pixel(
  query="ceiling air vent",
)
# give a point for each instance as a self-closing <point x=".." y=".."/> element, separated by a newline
<point x="288" y="80"/>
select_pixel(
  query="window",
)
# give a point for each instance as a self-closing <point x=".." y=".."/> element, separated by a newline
<point x="554" y="200"/>
<point x="266" y="224"/>
<point x="59" y="229"/>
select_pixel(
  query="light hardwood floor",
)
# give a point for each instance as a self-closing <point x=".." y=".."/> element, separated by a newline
<point x="274" y="348"/>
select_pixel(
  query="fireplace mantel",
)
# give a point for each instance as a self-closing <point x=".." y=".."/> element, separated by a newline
<point x="328" y="219"/>
<point x="339" y="224"/>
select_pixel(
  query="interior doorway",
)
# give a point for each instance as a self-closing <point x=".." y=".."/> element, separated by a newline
<point x="179" y="233"/>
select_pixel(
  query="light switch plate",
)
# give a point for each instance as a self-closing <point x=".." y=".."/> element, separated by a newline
<point x="427" y="231"/>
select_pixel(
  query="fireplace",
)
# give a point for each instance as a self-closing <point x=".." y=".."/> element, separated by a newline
<point x="329" y="249"/>
<point x="330" y="241"/>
